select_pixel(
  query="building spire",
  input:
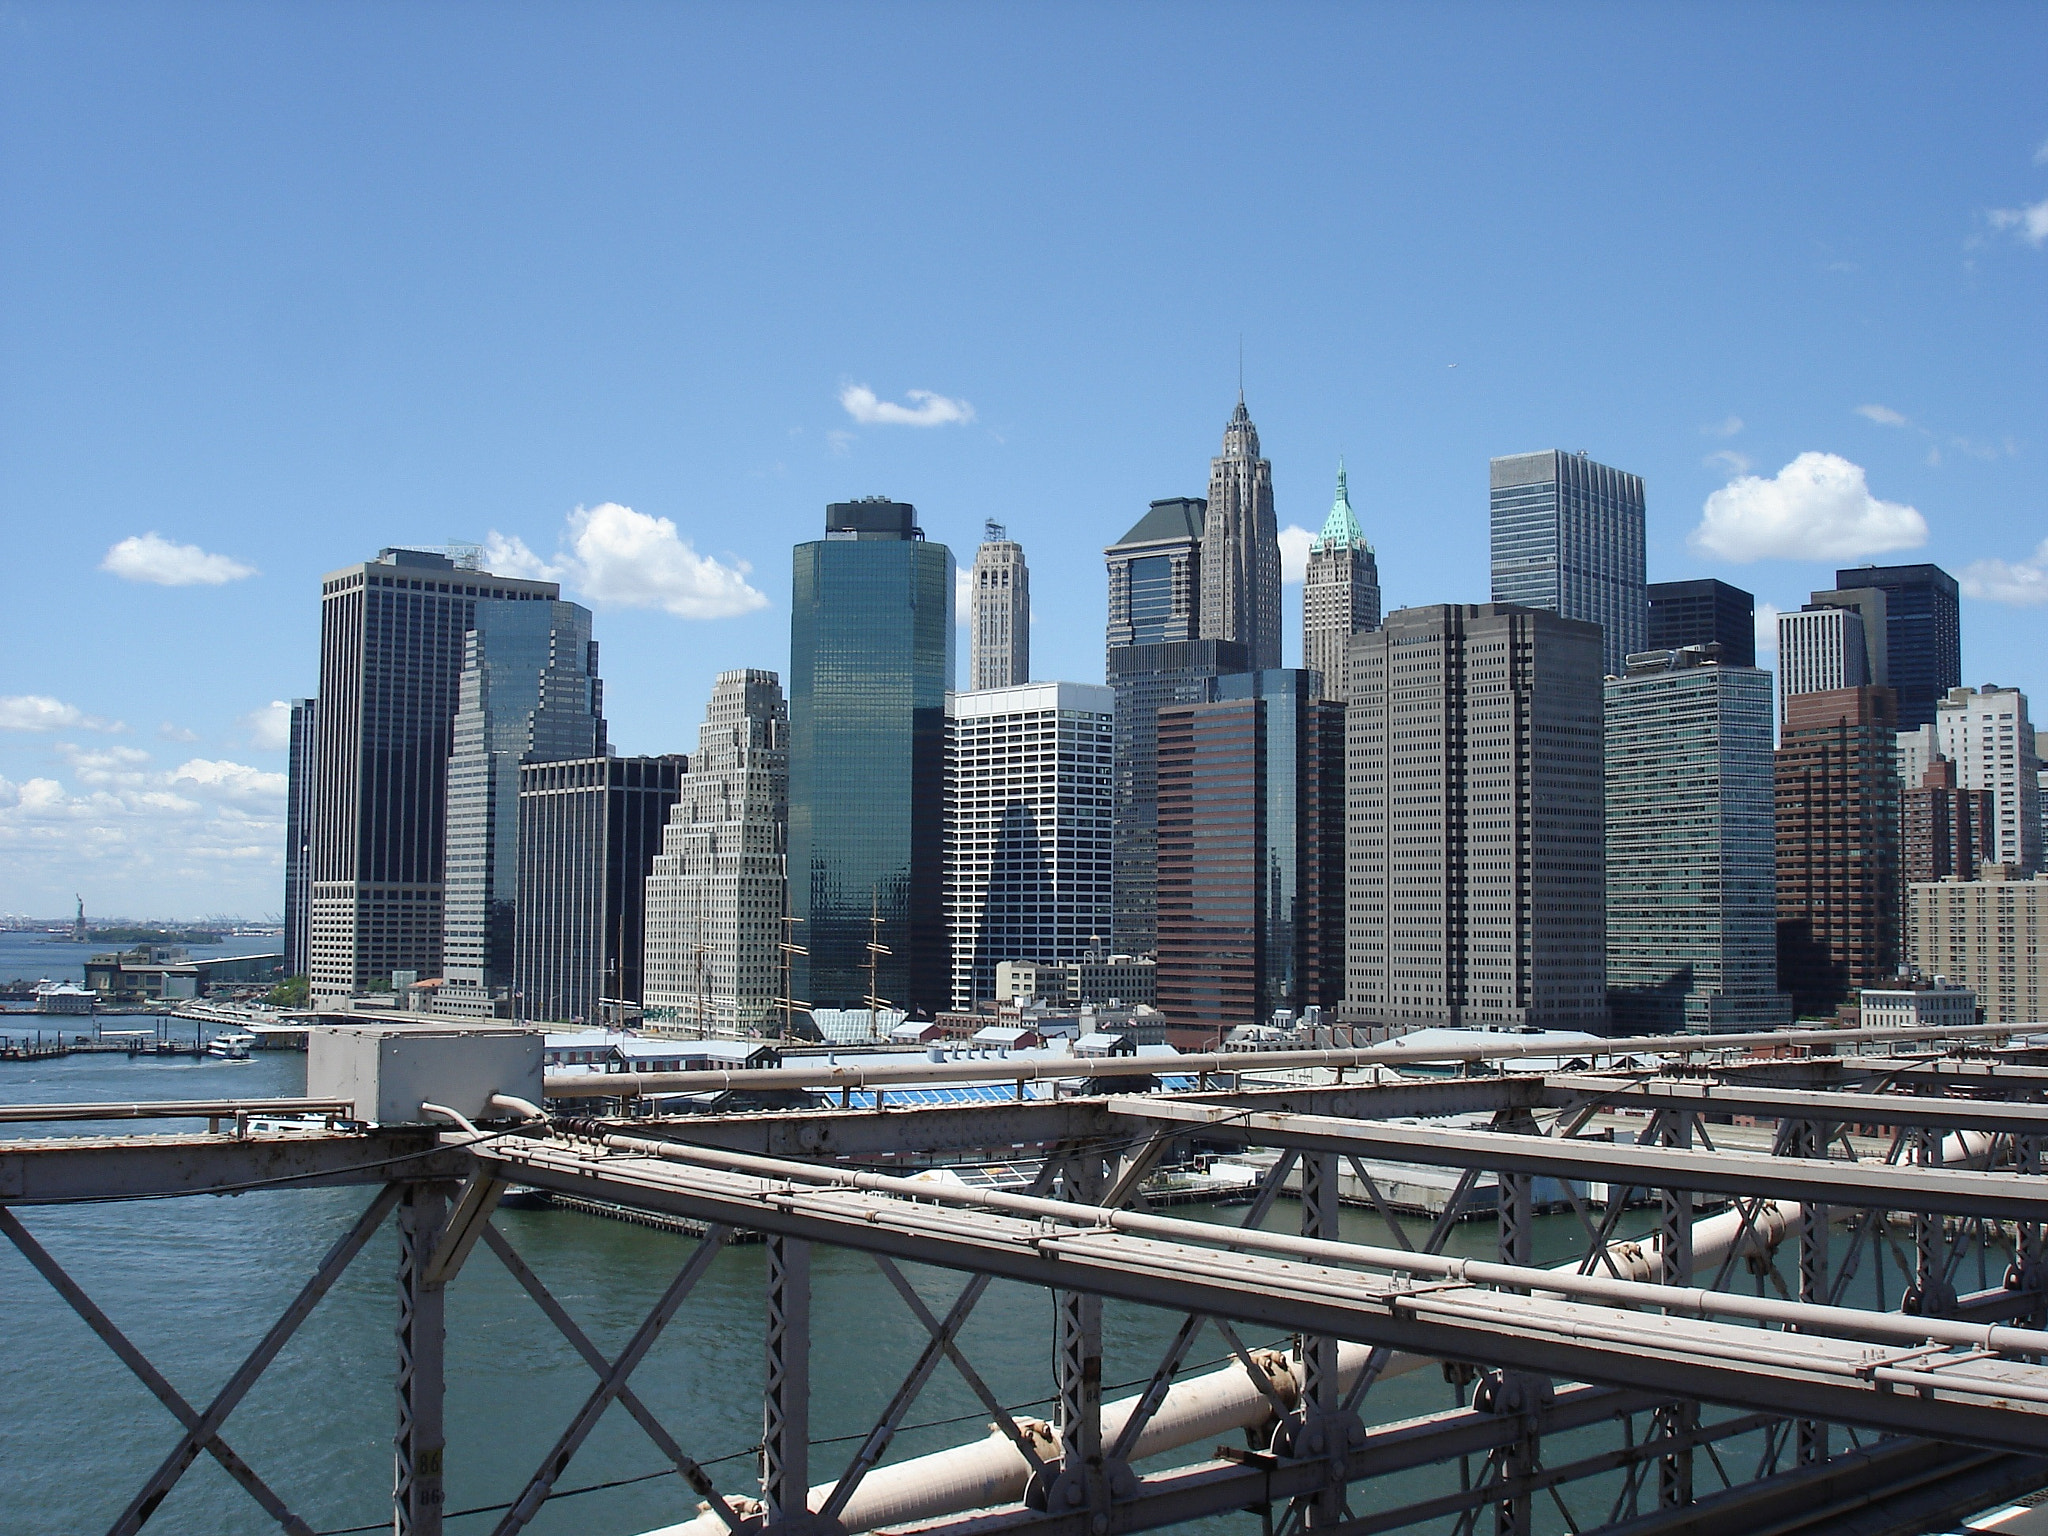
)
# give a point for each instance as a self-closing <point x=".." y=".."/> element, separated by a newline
<point x="1341" y="529"/>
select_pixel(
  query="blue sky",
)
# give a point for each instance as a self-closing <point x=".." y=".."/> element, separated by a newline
<point x="283" y="284"/>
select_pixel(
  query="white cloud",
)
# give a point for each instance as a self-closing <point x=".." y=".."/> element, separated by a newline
<point x="1767" y="634"/>
<point x="207" y="836"/>
<point x="627" y="559"/>
<point x="170" y="730"/>
<point x="963" y="593"/>
<point x="236" y="779"/>
<point x="1728" y="461"/>
<point x="1727" y="427"/>
<point x="840" y="440"/>
<point x="40" y="712"/>
<point x="925" y="410"/>
<point x="152" y="558"/>
<point x="2041" y="154"/>
<point x="2023" y="583"/>
<point x="2029" y="223"/>
<point x="1883" y="415"/>
<point x="270" y="727"/>
<point x="120" y="766"/>
<point x="1294" y="543"/>
<point x="1818" y="507"/>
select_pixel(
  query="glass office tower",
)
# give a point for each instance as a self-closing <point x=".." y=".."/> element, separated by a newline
<point x="871" y="661"/>
<point x="1923" y="633"/>
<point x="1692" y="922"/>
<point x="1704" y="612"/>
<point x="1568" y="537"/>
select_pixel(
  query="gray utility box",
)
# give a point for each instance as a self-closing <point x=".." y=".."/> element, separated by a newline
<point x="387" y="1070"/>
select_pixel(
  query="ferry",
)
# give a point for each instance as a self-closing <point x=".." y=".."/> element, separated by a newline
<point x="233" y="1046"/>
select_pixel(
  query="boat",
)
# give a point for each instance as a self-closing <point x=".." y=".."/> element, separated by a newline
<point x="233" y="1046"/>
<point x="64" y="997"/>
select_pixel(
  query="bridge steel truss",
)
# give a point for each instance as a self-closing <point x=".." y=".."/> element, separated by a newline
<point x="1638" y="1372"/>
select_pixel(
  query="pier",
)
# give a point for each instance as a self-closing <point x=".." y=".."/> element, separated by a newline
<point x="1714" y="1378"/>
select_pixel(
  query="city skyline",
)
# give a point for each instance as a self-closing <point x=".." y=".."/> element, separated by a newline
<point x="290" y="286"/>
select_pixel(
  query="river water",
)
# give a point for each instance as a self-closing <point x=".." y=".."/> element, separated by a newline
<point x="195" y="1282"/>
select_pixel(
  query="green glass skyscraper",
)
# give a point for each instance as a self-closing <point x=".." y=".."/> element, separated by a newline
<point x="870" y="663"/>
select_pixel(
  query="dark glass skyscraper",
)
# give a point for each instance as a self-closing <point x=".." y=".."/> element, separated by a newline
<point x="1155" y="575"/>
<point x="871" y="659"/>
<point x="1568" y="537"/>
<point x="1147" y="679"/>
<point x="530" y="693"/>
<point x="1923" y="634"/>
<point x="298" y="832"/>
<point x="589" y="829"/>
<point x="1707" y="612"/>
<point x="1251" y="840"/>
<point x="391" y="647"/>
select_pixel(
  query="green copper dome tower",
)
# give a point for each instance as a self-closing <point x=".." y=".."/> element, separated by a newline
<point x="1340" y="595"/>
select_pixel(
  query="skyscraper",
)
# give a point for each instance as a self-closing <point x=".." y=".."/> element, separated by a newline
<point x="1568" y="537"/>
<point x="589" y="829"/>
<point x="529" y="692"/>
<point x="1838" y="845"/>
<point x="1924" y="635"/>
<point x="298" y="839"/>
<point x="391" y="649"/>
<point x="871" y="660"/>
<point x="1474" y="803"/>
<point x="1985" y="732"/>
<point x="1706" y="612"/>
<point x="1251" y="838"/>
<point x="1241" y="547"/>
<point x="999" y="613"/>
<point x="1027" y="828"/>
<point x="715" y="894"/>
<point x="1340" y="594"/>
<point x="1826" y="647"/>
<point x="1146" y="679"/>
<point x="1692" y="938"/>
<point x="1949" y="830"/>
<point x="1155" y="658"/>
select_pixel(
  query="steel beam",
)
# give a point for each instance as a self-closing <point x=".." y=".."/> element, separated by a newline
<point x="420" y="1446"/>
<point x="69" y="1170"/>
<point x="786" y="1398"/>
<point x="1721" y="1098"/>
<point x="1999" y="1196"/>
<point x="172" y="1109"/>
<point x="1771" y="1372"/>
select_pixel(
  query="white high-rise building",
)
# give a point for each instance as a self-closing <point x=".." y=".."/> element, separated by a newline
<point x="1986" y="734"/>
<point x="1027" y="828"/>
<point x="999" y="613"/>
<point x="715" y="894"/>
<point x="1821" y="648"/>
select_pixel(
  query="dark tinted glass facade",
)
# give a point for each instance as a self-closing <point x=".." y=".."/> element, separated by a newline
<point x="1923" y="634"/>
<point x="588" y="833"/>
<point x="871" y="659"/>
<point x="1250" y="828"/>
<point x="1568" y="537"/>
<point x="298" y="825"/>
<point x="391" y="649"/>
<point x="1684" y="613"/>
<point x="1146" y="679"/>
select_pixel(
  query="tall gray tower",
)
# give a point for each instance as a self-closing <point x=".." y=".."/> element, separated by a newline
<point x="1340" y="595"/>
<point x="529" y="693"/>
<point x="1241" y="547"/>
<point x="999" y="613"/>
<point x="1568" y="536"/>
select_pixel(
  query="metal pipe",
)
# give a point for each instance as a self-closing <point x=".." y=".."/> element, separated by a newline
<point x="845" y="1075"/>
<point x="172" y="1109"/>
<point x="526" y="1109"/>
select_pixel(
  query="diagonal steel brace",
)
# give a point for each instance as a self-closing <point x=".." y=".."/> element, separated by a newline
<point x="148" y="1374"/>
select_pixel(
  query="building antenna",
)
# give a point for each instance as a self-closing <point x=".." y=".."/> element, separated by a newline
<point x="1240" y="367"/>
